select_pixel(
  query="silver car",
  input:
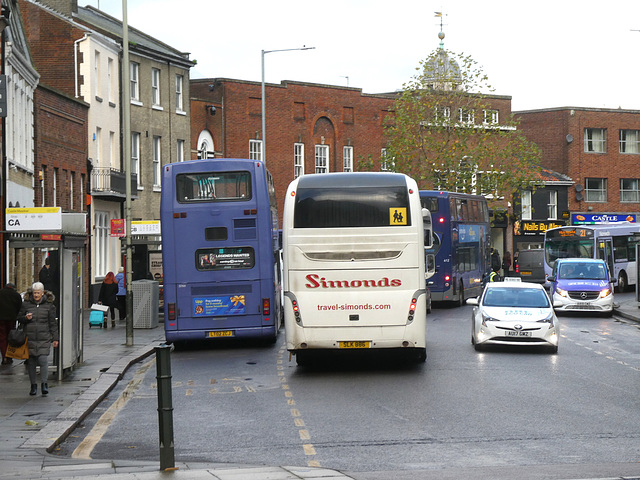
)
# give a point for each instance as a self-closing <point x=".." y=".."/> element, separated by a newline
<point x="514" y="313"/>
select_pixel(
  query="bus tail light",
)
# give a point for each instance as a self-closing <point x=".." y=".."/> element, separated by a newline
<point x="412" y="309"/>
<point x="296" y="310"/>
<point x="171" y="309"/>
<point x="266" y="306"/>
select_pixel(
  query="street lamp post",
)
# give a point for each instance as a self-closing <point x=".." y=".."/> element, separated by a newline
<point x="264" y="128"/>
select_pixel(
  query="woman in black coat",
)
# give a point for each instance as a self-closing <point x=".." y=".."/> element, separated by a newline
<point x="38" y="318"/>
<point x="108" y="295"/>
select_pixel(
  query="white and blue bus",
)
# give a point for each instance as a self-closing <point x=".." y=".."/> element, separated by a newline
<point x="220" y="250"/>
<point x="461" y="244"/>
<point x="613" y="242"/>
<point x="354" y="265"/>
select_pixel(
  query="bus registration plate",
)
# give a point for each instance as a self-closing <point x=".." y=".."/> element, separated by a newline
<point x="354" y="344"/>
<point x="221" y="333"/>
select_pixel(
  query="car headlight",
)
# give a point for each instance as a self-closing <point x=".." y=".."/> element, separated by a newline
<point x="561" y="292"/>
<point x="550" y="319"/>
<point x="487" y="318"/>
<point x="604" y="293"/>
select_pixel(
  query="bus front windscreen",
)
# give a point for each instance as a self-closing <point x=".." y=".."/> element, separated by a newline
<point x="352" y="207"/>
<point x="569" y="243"/>
<point x="213" y="187"/>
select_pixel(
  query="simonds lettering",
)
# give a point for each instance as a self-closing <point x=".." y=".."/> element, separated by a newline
<point x="316" y="281"/>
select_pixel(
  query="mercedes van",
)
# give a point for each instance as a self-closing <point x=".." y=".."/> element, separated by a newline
<point x="581" y="285"/>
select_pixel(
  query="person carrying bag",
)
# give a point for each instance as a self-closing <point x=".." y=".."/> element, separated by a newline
<point x="10" y="303"/>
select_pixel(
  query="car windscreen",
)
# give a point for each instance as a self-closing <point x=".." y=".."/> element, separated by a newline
<point x="582" y="271"/>
<point x="520" y="297"/>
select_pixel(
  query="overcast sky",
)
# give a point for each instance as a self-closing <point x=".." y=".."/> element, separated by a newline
<point x="548" y="53"/>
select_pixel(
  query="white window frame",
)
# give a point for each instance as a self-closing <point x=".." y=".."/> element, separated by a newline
<point x="102" y="230"/>
<point x="98" y="144"/>
<point x="255" y="149"/>
<point x="490" y="117"/>
<point x="179" y="89"/>
<point x="157" y="160"/>
<point x="322" y="159"/>
<point x="347" y="158"/>
<point x="55" y="187"/>
<point x="110" y="80"/>
<point x="180" y="151"/>
<point x="466" y="116"/>
<point x="525" y="201"/>
<point x="552" y="206"/>
<point x="72" y="178"/>
<point x="629" y="142"/>
<point x="135" y="157"/>
<point x="96" y="70"/>
<point x="595" y="190"/>
<point x="442" y="114"/>
<point x="595" y="140"/>
<point x="134" y="74"/>
<point x="298" y="160"/>
<point x="629" y="190"/>
<point x="155" y="87"/>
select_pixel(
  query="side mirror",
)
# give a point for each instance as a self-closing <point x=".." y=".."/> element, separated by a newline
<point x="557" y="304"/>
<point x="472" y="301"/>
<point x="551" y="279"/>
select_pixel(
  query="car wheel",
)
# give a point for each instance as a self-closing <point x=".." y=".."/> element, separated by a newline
<point x="302" y="358"/>
<point x="622" y="283"/>
<point x="553" y="349"/>
<point x="421" y="356"/>
<point x="478" y="347"/>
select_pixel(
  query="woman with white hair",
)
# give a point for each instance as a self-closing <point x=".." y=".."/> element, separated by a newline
<point x="38" y="317"/>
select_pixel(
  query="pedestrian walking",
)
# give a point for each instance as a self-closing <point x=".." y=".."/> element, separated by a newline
<point x="506" y="263"/>
<point x="121" y="296"/>
<point x="108" y="295"/>
<point x="38" y="318"/>
<point x="10" y="303"/>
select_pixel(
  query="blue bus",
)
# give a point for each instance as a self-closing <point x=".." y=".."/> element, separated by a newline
<point x="220" y="250"/>
<point x="461" y="244"/>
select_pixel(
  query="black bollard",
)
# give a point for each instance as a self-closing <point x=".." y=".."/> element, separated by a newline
<point x="165" y="406"/>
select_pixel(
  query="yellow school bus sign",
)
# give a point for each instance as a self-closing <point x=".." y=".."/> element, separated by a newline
<point x="397" y="216"/>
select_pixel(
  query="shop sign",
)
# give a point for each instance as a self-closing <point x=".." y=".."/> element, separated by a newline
<point x="593" y="218"/>
<point x="535" y="227"/>
<point x="35" y="219"/>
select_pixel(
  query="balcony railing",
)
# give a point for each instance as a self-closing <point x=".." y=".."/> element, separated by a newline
<point x="109" y="182"/>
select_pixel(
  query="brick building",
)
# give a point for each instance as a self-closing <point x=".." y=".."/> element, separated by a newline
<point x="599" y="149"/>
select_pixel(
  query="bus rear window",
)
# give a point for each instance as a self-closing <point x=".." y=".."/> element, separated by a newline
<point x="213" y="187"/>
<point x="225" y="258"/>
<point x="351" y="207"/>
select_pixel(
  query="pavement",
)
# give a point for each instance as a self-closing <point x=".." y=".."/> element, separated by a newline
<point x="32" y="427"/>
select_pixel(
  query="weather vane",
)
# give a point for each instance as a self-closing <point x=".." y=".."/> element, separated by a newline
<point x="441" y="34"/>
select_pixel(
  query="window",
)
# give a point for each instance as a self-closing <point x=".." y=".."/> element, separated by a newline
<point x="465" y="116"/>
<point x="96" y="70"/>
<point x="347" y="159"/>
<point x="526" y="205"/>
<point x="71" y="182"/>
<point x="82" y="199"/>
<point x="387" y="163"/>
<point x="179" y="85"/>
<point x="102" y="228"/>
<point x="629" y="141"/>
<point x="595" y="140"/>
<point x="133" y="78"/>
<point x="552" y="206"/>
<point x="442" y="114"/>
<point x="255" y="149"/>
<point x="298" y="160"/>
<point x="155" y="86"/>
<point x="98" y="140"/>
<point x="595" y="189"/>
<point x="112" y="150"/>
<point x="629" y="191"/>
<point x="180" y="151"/>
<point x="135" y="156"/>
<point x="110" y="80"/>
<point x="322" y="158"/>
<point x="156" y="161"/>
<point x="55" y="187"/>
<point x="490" y="117"/>
<point x="45" y="179"/>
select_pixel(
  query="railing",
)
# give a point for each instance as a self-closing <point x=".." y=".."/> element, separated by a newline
<point x="109" y="181"/>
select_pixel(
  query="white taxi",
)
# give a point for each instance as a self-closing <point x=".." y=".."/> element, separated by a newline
<point x="514" y="313"/>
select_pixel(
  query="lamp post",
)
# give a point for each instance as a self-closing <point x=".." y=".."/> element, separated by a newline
<point x="264" y="128"/>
